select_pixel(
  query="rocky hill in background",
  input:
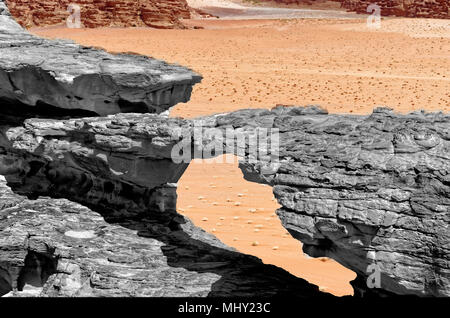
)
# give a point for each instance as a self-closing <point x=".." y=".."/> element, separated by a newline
<point x="402" y="8"/>
<point x="102" y="13"/>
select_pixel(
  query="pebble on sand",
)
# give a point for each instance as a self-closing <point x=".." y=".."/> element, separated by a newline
<point x="255" y="243"/>
<point x="275" y="248"/>
<point x="201" y="197"/>
<point x="237" y="203"/>
<point x="252" y="210"/>
<point x="205" y="219"/>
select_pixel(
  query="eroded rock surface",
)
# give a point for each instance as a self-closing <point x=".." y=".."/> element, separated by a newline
<point x="364" y="190"/>
<point x="54" y="247"/>
<point x="403" y="8"/>
<point x="371" y="192"/>
<point x="439" y="9"/>
<point x="47" y="77"/>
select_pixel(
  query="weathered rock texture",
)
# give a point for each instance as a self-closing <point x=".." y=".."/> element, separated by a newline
<point x="365" y="190"/>
<point x="38" y="75"/>
<point x="127" y="238"/>
<point x="51" y="247"/>
<point x="360" y="189"/>
<point x="404" y="8"/>
<point x="103" y="13"/>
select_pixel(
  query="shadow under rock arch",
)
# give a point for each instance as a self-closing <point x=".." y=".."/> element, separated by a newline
<point x="189" y="247"/>
<point x="241" y="275"/>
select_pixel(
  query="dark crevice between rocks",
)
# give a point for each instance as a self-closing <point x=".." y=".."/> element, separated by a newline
<point x="37" y="269"/>
<point x="14" y="113"/>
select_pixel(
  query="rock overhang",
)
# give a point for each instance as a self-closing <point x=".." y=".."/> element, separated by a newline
<point x="364" y="190"/>
<point x="66" y="75"/>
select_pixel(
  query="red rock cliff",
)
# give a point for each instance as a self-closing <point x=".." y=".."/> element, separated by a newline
<point x="102" y="13"/>
<point x="405" y="8"/>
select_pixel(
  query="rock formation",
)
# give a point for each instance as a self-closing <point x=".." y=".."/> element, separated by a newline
<point x="371" y="192"/>
<point x="364" y="190"/>
<point x="54" y="247"/>
<point x="124" y="236"/>
<point x="403" y="8"/>
<point x="41" y="74"/>
<point x="103" y="13"/>
<point x="439" y="9"/>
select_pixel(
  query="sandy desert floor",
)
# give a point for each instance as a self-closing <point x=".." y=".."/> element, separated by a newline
<point x="339" y="64"/>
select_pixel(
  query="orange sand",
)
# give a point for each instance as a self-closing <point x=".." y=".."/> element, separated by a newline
<point x="340" y="65"/>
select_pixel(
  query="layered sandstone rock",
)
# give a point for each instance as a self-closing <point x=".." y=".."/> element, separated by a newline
<point x="103" y="13"/>
<point x="404" y="8"/>
<point x="38" y="75"/>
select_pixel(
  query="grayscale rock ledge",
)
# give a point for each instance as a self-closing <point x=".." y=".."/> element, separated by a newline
<point x="360" y="189"/>
<point x="58" y="74"/>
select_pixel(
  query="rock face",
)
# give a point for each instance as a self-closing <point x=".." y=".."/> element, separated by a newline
<point x="439" y="9"/>
<point x="54" y="247"/>
<point x="103" y="13"/>
<point x="404" y="8"/>
<point x="38" y="75"/>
